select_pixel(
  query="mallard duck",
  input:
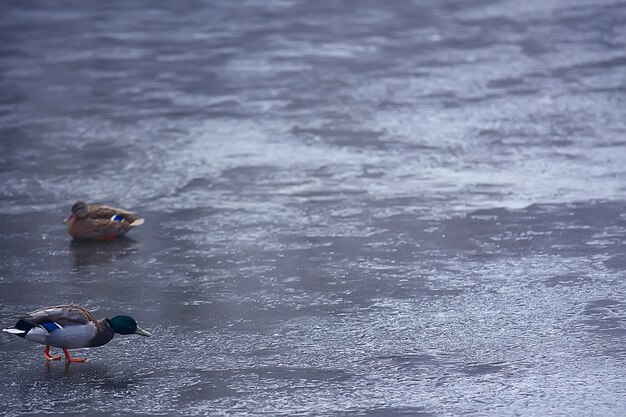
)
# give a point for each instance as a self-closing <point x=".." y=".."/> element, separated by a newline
<point x="71" y="327"/>
<point x="91" y="221"/>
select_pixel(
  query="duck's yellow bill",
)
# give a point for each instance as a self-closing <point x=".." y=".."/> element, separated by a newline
<point x="141" y="331"/>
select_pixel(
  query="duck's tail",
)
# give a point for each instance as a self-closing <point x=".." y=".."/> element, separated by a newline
<point x="137" y="222"/>
<point x="20" y="329"/>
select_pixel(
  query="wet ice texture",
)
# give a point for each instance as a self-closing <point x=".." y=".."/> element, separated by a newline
<point x="390" y="209"/>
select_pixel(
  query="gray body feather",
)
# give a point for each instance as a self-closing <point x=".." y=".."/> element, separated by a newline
<point x="75" y="327"/>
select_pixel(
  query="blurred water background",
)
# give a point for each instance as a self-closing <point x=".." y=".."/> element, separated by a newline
<point x="352" y="208"/>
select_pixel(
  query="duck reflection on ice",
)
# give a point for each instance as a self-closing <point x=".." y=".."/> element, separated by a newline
<point x="91" y="376"/>
<point x="96" y="253"/>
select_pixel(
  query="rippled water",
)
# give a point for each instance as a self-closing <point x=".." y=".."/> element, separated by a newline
<point x="413" y="208"/>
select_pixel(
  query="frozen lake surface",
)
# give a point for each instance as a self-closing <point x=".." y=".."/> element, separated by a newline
<point x="352" y="209"/>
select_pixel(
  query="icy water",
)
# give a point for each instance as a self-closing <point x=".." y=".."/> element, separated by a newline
<point x="352" y="208"/>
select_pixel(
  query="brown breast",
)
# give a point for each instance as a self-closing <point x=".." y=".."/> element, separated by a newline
<point x="104" y="334"/>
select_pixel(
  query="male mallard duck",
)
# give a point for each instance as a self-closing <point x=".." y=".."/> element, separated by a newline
<point x="71" y="327"/>
<point x="90" y="221"/>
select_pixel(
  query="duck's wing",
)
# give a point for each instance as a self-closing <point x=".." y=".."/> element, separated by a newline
<point x="113" y="214"/>
<point x="62" y="315"/>
<point x="101" y="228"/>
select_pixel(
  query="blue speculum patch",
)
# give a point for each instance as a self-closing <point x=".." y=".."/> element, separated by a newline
<point x="117" y="218"/>
<point x="50" y="326"/>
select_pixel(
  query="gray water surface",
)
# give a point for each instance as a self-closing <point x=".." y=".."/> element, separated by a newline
<point x="352" y="208"/>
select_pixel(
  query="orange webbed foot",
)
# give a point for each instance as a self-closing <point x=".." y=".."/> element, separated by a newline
<point x="52" y="357"/>
<point x="48" y="356"/>
<point x="69" y="358"/>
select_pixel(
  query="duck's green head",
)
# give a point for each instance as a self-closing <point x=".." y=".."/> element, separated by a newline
<point x="126" y="325"/>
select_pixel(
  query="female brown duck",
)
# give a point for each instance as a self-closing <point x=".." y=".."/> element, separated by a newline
<point x="90" y="221"/>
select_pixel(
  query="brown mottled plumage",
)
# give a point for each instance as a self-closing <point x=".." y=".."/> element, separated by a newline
<point x="91" y="221"/>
